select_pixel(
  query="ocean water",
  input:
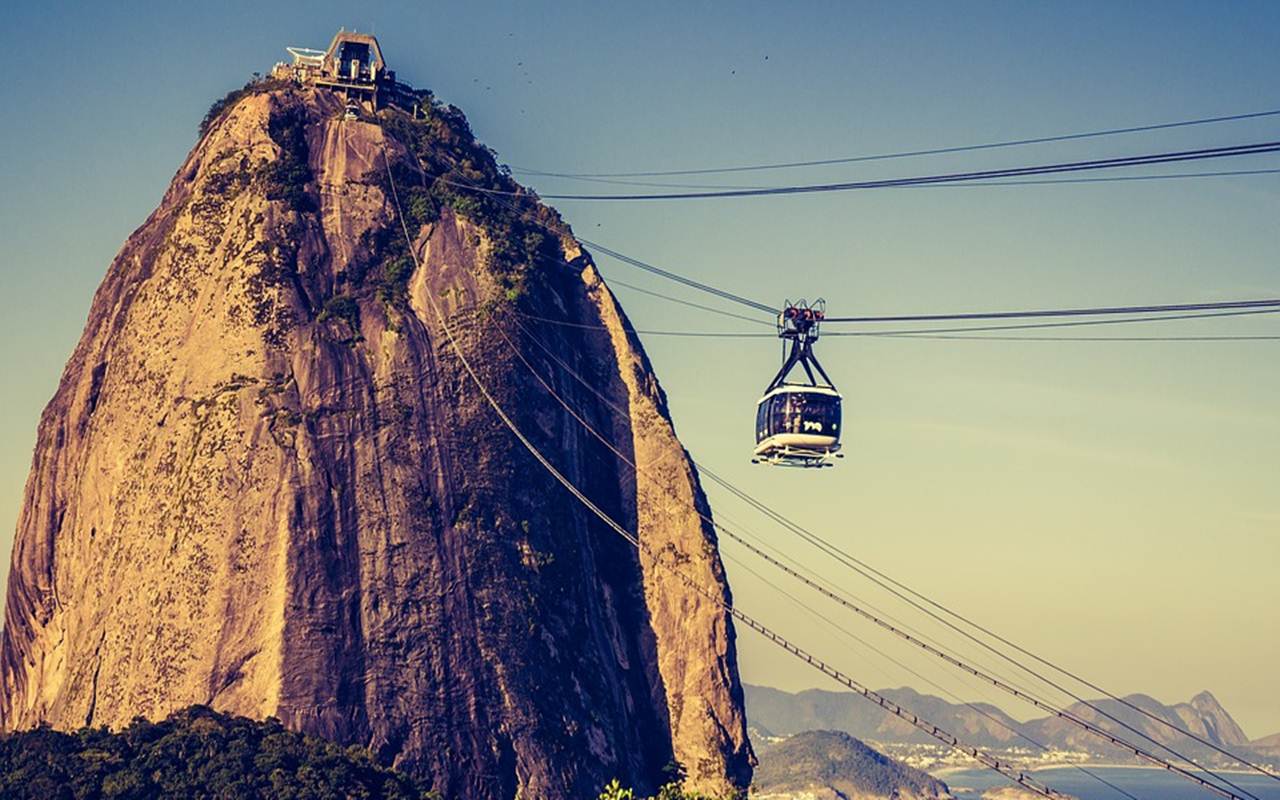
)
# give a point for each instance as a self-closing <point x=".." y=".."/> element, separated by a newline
<point x="1144" y="784"/>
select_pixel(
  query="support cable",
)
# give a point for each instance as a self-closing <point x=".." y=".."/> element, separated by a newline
<point x="985" y="675"/>
<point x="986" y="645"/>
<point x="935" y="333"/>
<point x="888" y="583"/>
<point x="635" y="262"/>
<point x="1138" y="752"/>
<point x="1222" y="305"/>
<point x="1121" y="162"/>
<point x="974" y="707"/>
<point x="907" y="154"/>
<point x="640" y="472"/>
<point x="724" y="294"/>
<point x="843" y="601"/>
<point x="700" y="307"/>
<point x="1163" y="176"/>
<point x="719" y="601"/>
<point x="1255" y="304"/>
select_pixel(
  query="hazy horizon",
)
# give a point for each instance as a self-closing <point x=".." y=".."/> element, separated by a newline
<point x="1110" y="505"/>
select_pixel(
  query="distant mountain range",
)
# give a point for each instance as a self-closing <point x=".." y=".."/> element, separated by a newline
<point x="1267" y="744"/>
<point x="783" y="713"/>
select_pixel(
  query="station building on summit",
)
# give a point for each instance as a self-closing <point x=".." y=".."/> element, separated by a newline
<point x="354" y="67"/>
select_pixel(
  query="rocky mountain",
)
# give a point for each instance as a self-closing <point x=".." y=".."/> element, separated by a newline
<point x="786" y="713"/>
<point x="832" y="765"/>
<point x="985" y="725"/>
<point x="1203" y="716"/>
<point x="267" y="484"/>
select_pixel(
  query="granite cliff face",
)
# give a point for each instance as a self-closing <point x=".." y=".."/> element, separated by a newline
<point x="266" y="484"/>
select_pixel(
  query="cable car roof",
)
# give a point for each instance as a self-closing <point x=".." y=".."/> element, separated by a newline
<point x="799" y="388"/>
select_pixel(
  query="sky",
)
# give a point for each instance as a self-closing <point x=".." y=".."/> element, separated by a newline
<point x="1113" y="506"/>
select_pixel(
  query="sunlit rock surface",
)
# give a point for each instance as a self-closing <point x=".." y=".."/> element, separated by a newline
<point x="266" y="484"/>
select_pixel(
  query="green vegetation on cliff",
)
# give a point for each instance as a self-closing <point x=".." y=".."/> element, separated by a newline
<point x="286" y="177"/>
<point x="448" y="168"/>
<point x="200" y="753"/>
<point x="460" y="173"/>
<point x="670" y="791"/>
<point x="196" y="753"/>
<point x="257" y="85"/>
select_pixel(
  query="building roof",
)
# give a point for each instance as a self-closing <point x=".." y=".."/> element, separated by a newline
<point x="341" y="37"/>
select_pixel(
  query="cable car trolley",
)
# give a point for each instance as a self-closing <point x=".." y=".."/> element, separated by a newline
<point x="798" y="424"/>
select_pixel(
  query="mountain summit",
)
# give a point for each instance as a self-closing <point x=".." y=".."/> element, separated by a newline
<point x="266" y="483"/>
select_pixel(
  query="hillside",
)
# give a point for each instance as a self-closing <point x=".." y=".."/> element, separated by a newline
<point x="1203" y="716"/>
<point x="833" y="764"/>
<point x="1267" y="744"/>
<point x="267" y="484"/>
<point x="195" y="753"/>
<point x="785" y="713"/>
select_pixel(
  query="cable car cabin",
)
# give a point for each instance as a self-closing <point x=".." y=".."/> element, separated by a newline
<point x="798" y="425"/>
<point x="353" y="67"/>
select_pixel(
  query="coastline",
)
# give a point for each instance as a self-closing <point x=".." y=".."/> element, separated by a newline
<point x="952" y="769"/>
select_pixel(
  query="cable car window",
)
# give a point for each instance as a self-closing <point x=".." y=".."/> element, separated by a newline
<point x="777" y="414"/>
<point x="824" y="410"/>
<point x="804" y="412"/>
<point x="782" y="415"/>
<point x="796" y="405"/>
